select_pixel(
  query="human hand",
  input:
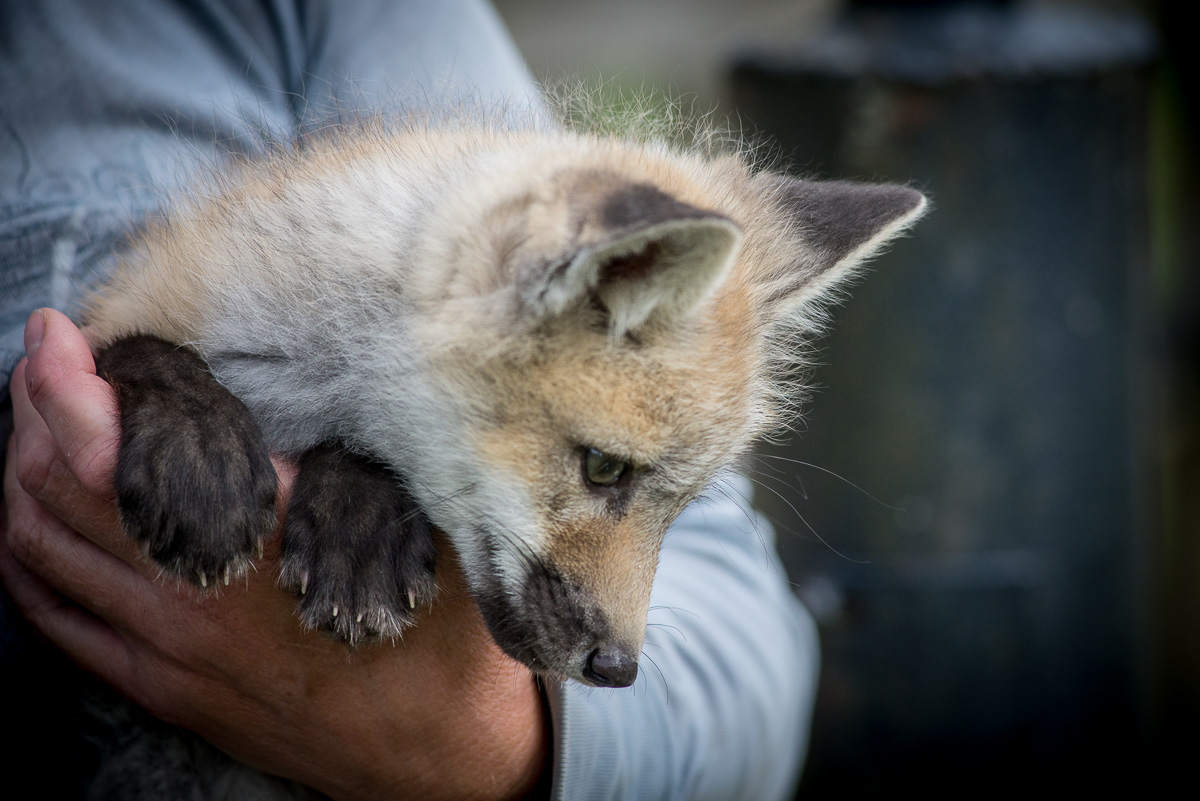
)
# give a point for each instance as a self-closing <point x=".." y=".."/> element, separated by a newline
<point x="444" y="714"/>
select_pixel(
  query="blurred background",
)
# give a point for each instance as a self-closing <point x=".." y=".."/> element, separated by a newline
<point x="992" y="506"/>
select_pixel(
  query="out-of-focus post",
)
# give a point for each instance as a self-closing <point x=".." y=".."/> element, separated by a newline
<point x="988" y="380"/>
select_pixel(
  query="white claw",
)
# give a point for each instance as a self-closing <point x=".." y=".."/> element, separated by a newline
<point x="259" y="547"/>
<point x="303" y="583"/>
<point x="412" y="600"/>
<point x="335" y="610"/>
<point x="203" y="578"/>
<point x="359" y="618"/>
<point x="226" y="575"/>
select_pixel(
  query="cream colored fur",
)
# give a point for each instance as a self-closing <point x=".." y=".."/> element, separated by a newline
<point x="449" y="298"/>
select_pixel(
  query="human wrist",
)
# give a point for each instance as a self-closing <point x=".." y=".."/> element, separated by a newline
<point x="499" y="746"/>
<point x="492" y="751"/>
<point x="477" y="728"/>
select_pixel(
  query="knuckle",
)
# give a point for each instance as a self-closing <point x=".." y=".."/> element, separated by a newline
<point x="94" y="466"/>
<point x="43" y="610"/>
<point x="35" y="467"/>
<point x="39" y="382"/>
<point x="26" y="541"/>
<point x="151" y="689"/>
<point x="144" y="688"/>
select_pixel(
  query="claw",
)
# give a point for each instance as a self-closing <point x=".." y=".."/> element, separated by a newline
<point x="303" y="583"/>
<point x="226" y="575"/>
<point x="203" y="578"/>
<point x="259" y="548"/>
<point x="335" y="610"/>
<point x="359" y="618"/>
<point x="412" y="600"/>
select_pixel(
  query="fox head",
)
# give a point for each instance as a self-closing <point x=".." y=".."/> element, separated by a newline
<point x="556" y="340"/>
<point x="605" y="337"/>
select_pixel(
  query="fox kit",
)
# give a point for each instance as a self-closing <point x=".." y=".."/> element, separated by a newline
<point x="542" y="342"/>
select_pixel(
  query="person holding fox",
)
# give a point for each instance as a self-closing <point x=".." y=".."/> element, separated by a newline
<point x="460" y="706"/>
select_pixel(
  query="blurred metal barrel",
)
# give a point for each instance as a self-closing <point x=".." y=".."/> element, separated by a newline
<point x="981" y="618"/>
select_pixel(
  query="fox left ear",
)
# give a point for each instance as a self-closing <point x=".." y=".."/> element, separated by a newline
<point x="841" y="225"/>
<point x="649" y="255"/>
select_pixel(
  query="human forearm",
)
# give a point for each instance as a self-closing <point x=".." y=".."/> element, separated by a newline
<point x="442" y="714"/>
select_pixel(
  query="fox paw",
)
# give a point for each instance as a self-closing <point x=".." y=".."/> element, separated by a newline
<point x="356" y="549"/>
<point x="195" y="484"/>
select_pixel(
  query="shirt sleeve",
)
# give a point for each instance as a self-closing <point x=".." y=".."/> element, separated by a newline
<point x="425" y="56"/>
<point x="108" y="109"/>
<point x="723" y="700"/>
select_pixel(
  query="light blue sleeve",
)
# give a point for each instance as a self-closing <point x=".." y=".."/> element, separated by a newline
<point x="723" y="700"/>
<point x="106" y="109"/>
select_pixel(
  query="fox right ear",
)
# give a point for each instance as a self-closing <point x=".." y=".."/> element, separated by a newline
<point x="841" y="224"/>
<point x="647" y="256"/>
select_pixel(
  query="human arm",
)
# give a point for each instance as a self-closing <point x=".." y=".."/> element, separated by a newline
<point x="442" y="715"/>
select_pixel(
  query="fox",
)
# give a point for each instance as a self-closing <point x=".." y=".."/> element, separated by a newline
<point x="540" y="341"/>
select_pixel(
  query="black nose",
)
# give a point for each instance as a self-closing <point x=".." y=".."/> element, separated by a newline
<point x="609" y="666"/>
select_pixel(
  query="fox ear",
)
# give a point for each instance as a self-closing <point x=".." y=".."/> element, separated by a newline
<point x="650" y="255"/>
<point x="841" y="224"/>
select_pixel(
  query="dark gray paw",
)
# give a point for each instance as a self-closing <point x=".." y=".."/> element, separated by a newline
<point x="356" y="548"/>
<point x="195" y="484"/>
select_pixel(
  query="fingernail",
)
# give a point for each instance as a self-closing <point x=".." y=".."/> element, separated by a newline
<point x="35" y="329"/>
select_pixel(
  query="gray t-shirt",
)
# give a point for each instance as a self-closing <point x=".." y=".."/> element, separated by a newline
<point x="105" y="108"/>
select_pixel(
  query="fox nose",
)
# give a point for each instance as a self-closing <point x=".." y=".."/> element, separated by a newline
<point x="610" y="666"/>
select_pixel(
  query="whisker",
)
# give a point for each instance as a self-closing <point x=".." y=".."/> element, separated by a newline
<point x="661" y="676"/>
<point x="762" y="543"/>
<point x="829" y="472"/>
<point x="724" y="488"/>
<point x="808" y="525"/>
<point x="675" y="610"/>
<point x="675" y="629"/>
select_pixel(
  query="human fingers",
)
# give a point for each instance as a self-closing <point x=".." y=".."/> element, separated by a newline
<point x="42" y="472"/>
<point x="135" y="632"/>
<point x="123" y="661"/>
<point x="63" y="403"/>
<point x="69" y="564"/>
<point x="78" y="407"/>
<point x="84" y="637"/>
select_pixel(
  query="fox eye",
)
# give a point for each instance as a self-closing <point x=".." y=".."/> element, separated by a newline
<point x="601" y="469"/>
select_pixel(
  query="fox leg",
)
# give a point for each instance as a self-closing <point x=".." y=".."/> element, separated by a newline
<point x="356" y="548"/>
<point x="195" y="485"/>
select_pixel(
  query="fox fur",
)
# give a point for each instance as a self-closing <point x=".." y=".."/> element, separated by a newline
<point x="474" y="304"/>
